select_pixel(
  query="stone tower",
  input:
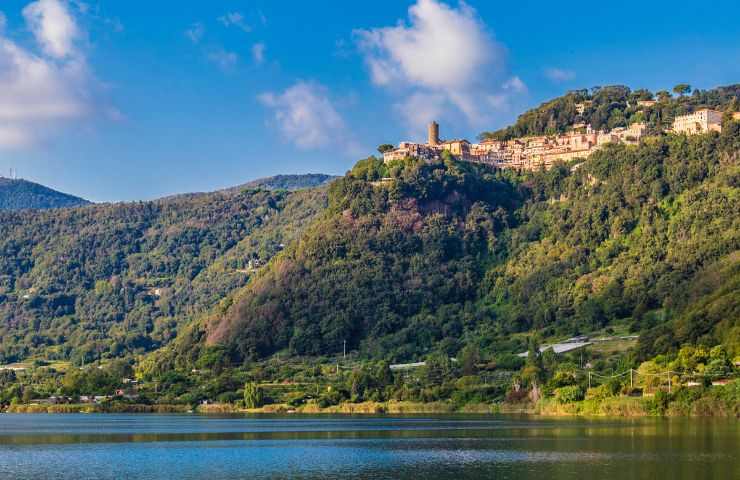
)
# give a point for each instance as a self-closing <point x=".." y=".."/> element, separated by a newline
<point x="433" y="133"/>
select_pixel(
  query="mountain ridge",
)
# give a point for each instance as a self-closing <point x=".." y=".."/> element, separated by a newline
<point x="19" y="194"/>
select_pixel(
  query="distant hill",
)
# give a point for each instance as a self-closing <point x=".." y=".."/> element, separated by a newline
<point x="290" y="182"/>
<point x="114" y="279"/>
<point x="22" y="194"/>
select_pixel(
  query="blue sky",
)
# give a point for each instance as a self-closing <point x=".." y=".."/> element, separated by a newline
<point x="134" y="100"/>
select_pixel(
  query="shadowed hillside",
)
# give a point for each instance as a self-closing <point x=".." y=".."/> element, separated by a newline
<point x="22" y="194"/>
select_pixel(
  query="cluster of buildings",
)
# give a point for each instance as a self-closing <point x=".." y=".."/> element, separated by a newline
<point x="530" y="153"/>
<point x="524" y="153"/>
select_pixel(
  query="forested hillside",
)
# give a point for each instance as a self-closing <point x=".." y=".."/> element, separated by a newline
<point x="400" y="261"/>
<point x="290" y="182"/>
<point x="449" y="254"/>
<point x="112" y="280"/>
<point x="22" y="194"/>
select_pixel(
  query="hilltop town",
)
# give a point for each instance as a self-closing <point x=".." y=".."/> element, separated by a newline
<point x="543" y="151"/>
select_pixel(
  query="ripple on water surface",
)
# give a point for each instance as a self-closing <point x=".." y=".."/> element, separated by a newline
<point x="148" y="447"/>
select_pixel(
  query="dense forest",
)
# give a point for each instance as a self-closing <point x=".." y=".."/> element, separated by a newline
<point x="102" y="281"/>
<point x="22" y="194"/>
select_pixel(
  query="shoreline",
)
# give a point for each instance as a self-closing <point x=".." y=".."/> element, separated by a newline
<point x="624" y="407"/>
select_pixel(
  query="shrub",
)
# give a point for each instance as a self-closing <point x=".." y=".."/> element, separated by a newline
<point x="599" y="393"/>
<point x="330" y="398"/>
<point x="609" y="389"/>
<point x="228" y="397"/>
<point x="659" y="403"/>
<point x="296" y="399"/>
<point x="569" y="394"/>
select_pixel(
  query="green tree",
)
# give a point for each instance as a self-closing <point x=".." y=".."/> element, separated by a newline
<point x="27" y="395"/>
<point x="253" y="395"/>
<point x="386" y="147"/>
<point x="469" y="359"/>
<point x="682" y="89"/>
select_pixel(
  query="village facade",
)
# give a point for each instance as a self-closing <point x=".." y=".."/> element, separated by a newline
<point x="532" y="153"/>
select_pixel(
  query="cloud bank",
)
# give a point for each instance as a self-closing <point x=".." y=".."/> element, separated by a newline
<point x="44" y="87"/>
<point x="441" y="61"/>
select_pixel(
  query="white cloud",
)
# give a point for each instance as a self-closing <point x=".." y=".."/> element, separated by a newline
<point x="306" y="116"/>
<point x="223" y="58"/>
<point x="53" y="26"/>
<point x="559" y="75"/>
<point x="235" y="19"/>
<point x="515" y="84"/>
<point x="195" y="32"/>
<point x="258" y="53"/>
<point x="43" y="89"/>
<point x="441" y="48"/>
<point x="442" y="54"/>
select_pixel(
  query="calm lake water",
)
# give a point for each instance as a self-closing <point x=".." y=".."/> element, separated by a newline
<point x="134" y="447"/>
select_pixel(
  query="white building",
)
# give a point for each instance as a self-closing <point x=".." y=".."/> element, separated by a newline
<point x="701" y="121"/>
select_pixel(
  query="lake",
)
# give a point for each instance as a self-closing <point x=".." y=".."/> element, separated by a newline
<point x="145" y="447"/>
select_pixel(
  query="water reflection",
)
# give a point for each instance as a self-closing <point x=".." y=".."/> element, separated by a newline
<point x="169" y="446"/>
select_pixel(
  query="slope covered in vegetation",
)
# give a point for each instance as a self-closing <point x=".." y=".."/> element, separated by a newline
<point x="290" y="182"/>
<point x="111" y="280"/>
<point x="450" y="254"/>
<point x="22" y="194"/>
